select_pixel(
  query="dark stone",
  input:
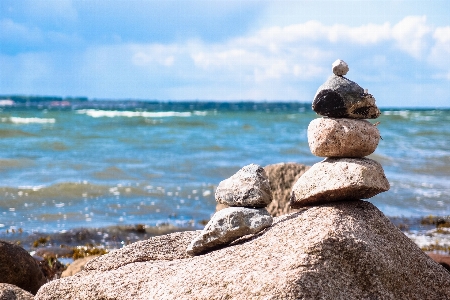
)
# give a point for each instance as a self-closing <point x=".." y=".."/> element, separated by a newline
<point x="329" y="103"/>
<point x="340" y="97"/>
<point x="19" y="268"/>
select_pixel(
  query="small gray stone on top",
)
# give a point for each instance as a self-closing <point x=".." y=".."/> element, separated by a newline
<point x="228" y="225"/>
<point x="249" y="187"/>
<point x="337" y="179"/>
<point x="340" y="67"/>
<point x="342" y="137"/>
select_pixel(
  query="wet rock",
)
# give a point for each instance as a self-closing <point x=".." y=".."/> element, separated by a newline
<point x="77" y="266"/>
<point x="51" y="267"/>
<point x="249" y="187"/>
<point x="443" y="260"/>
<point x="340" y="250"/>
<point x="19" y="268"/>
<point x="332" y="137"/>
<point x="12" y="292"/>
<point x="340" y="67"/>
<point x="336" y="179"/>
<point x="340" y="97"/>
<point x="50" y="252"/>
<point x="282" y="177"/>
<point x="228" y="225"/>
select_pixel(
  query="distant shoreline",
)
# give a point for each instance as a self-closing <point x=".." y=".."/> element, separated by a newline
<point x="85" y="102"/>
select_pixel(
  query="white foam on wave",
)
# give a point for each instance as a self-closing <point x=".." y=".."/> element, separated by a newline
<point x="146" y="114"/>
<point x="401" y="113"/>
<point x="19" y="120"/>
<point x="31" y="187"/>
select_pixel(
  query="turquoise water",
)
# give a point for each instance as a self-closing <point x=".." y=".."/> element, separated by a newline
<point x="99" y="164"/>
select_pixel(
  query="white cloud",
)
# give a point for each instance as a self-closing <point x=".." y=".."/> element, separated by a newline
<point x="51" y="9"/>
<point x="144" y="55"/>
<point x="10" y="30"/>
<point x="442" y="35"/>
<point x="367" y="34"/>
<point x="410" y="35"/>
<point x="286" y="63"/>
<point x="440" y="52"/>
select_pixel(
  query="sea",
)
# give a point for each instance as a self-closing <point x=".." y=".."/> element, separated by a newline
<point x="97" y="164"/>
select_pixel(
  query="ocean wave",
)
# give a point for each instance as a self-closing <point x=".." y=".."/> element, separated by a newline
<point x="12" y="133"/>
<point x="146" y="114"/>
<point x="19" y="120"/>
<point x="426" y="115"/>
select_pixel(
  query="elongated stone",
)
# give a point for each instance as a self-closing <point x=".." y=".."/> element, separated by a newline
<point x="342" y="137"/>
<point x="335" y="179"/>
<point x="228" y="225"/>
<point x="249" y="187"/>
<point x="340" y="97"/>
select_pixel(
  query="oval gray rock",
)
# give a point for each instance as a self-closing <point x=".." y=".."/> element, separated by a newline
<point x="336" y="179"/>
<point x="340" y="97"/>
<point x="249" y="187"/>
<point x="333" y="137"/>
<point x="228" y="225"/>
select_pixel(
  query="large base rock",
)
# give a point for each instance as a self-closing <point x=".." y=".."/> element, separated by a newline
<point x="228" y="225"/>
<point x="342" y="250"/>
<point x="335" y="179"/>
<point x="330" y="137"/>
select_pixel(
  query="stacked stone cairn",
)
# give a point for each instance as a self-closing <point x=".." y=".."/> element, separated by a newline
<point x="247" y="193"/>
<point x="344" y="138"/>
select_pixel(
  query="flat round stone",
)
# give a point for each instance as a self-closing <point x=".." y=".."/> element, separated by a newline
<point x="337" y="179"/>
<point x="342" y="137"/>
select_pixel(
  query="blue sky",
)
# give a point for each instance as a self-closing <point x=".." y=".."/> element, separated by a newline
<point x="225" y="50"/>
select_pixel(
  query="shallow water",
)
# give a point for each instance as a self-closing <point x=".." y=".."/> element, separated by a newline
<point x="122" y="163"/>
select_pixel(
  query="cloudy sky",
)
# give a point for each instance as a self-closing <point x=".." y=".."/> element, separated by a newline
<point x="225" y="50"/>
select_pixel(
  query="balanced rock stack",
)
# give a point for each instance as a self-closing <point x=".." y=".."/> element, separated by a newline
<point x="344" y="138"/>
<point x="247" y="193"/>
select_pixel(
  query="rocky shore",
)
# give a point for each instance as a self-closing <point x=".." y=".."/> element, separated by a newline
<point x="132" y="245"/>
<point x="285" y="231"/>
